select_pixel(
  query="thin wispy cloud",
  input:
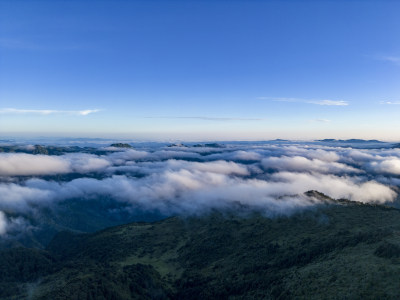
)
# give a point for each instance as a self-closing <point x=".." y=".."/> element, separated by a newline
<point x="47" y="111"/>
<point x="209" y="118"/>
<point x="391" y="59"/>
<point x="324" y="102"/>
<point x="329" y="102"/>
<point x="320" y="120"/>
<point x="391" y="102"/>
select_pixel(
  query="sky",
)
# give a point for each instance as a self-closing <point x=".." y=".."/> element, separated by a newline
<point x="200" y="70"/>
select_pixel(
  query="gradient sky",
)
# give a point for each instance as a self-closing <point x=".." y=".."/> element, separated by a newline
<point x="200" y="69"/>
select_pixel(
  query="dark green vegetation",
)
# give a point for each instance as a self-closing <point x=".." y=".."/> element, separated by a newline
<point x="75" y="215"/>
<point x="121" y="145"/>
<point x="209" y="145"/>
<point x="59" y="150"/>
<point x="336" y="251"/>
<point x="50" y="150"/>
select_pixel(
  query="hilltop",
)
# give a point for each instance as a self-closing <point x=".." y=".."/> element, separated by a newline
<point x="121" y="145"/>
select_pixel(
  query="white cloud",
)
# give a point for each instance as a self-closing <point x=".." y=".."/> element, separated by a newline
<point x="320" y="154"/>
<point x="219" y="167"/>
<point x="324" y="102"/>
<point x="194" y="191"/>
<point x="269" y="177"/>
<point x="391" y="102"/>
<point x="246" y="155"/>
<point x="47" y="111"/>
<point x="17" y="197"/>
<point x="83" y="163"/>
<point x="389" y="165"/>
<point x="389" y="58"/>
<point x="302" y="164"/>
<point x="14" y="164"/>
<point x="338" y="187"/>
<point x="21" y="164"/>
<point x="210" y="118"/>
<point x="83" y="112"/>
<point x="320" y="120"/>
<point x="329" y="102"/>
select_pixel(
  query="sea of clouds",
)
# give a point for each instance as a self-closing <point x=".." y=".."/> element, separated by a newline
<point x="270" y="177"/>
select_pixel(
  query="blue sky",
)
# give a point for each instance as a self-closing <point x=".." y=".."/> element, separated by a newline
<point x="200" y="69"/>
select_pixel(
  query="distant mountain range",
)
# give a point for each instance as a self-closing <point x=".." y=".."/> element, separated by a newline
<point x="11" y="147"/>
<point x="350" y="141"/>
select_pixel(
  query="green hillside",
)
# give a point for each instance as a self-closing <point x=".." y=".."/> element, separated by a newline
<point x="335" y="251"/>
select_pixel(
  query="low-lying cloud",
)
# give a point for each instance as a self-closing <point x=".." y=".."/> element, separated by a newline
<point x="303" y="164"/>
<point x="191" y="180"/>
<point x="21" y="164"/>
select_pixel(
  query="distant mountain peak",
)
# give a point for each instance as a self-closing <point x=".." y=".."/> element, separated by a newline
<point x="121" y="145"/>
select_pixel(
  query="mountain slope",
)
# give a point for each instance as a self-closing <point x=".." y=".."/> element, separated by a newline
<point x="346" y="250"/>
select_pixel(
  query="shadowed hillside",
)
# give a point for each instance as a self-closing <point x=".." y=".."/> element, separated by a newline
<point x="347" y="251"/>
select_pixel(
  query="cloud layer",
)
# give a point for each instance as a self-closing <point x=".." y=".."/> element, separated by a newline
<point x="191" y="180"/>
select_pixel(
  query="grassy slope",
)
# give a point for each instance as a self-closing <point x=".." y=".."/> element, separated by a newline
<point x="335" y="252"/>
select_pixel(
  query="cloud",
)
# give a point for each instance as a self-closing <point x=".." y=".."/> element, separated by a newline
<point x="391" y="59"/>
<point x="19" y="197"/>
<point x="324" y="102"/>
<point x="358" y="156"/>
<point x="218" y="167"/>
<point x="83" y="112"/>
<point x="122" y="156"/>
<point x="329" y="102"/>
<point x="302" y="164"/>
<point x="83" y="163"/>
<point x="320" y="120"/>
<point x="47" y="111"/>
<point x="210" y="118"/>
<point x="168" y="154"/>
<point x="270" y="177"/>
<point x="389" y="165"/>
<point x="339" y="187"/>
<point x="28" y="164"/>
<point x="390" y="102"/>
<point x="327" y="154"/>
<point x="194" y="191"/>
<point x="21" y="164"/>
<point x="246" y="155"/>
<point x="11" y="224"/>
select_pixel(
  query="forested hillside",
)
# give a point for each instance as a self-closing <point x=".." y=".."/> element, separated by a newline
<point x="335" y="251"/>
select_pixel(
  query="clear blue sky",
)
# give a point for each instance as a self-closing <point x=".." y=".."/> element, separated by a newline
<point x="200" y="69"/>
